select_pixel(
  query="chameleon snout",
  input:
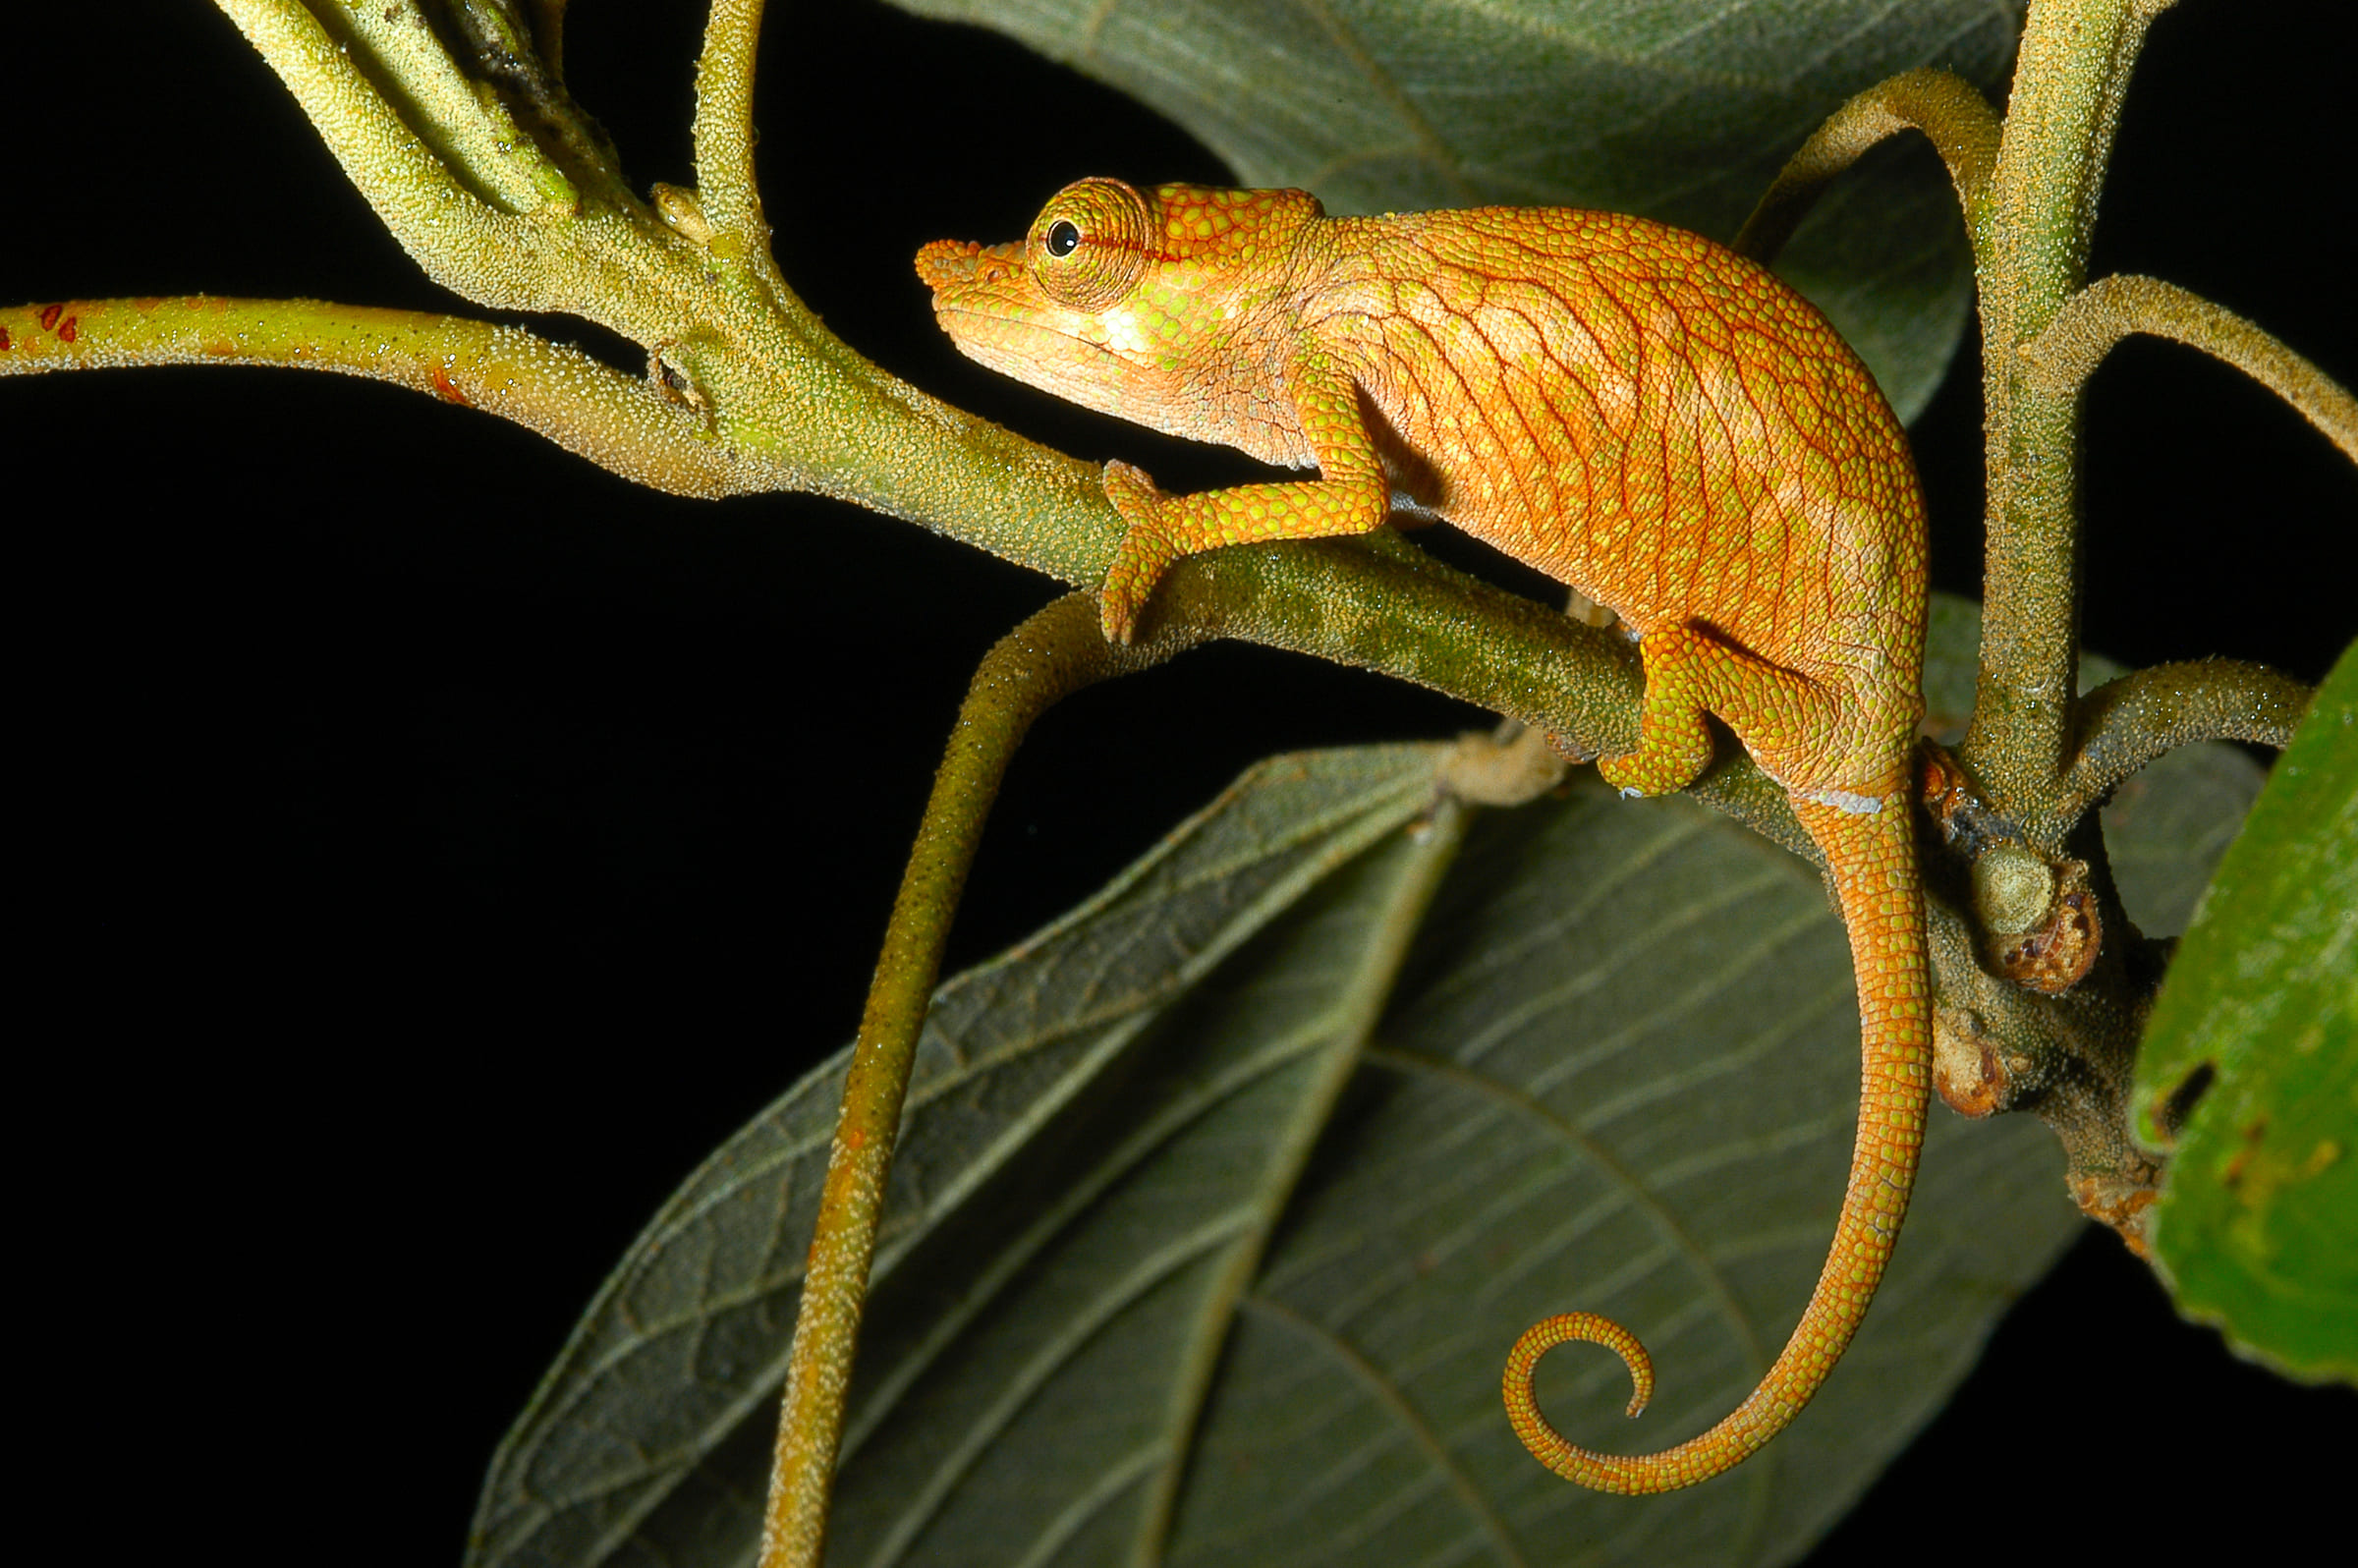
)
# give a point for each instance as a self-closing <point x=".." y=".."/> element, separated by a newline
<point x="948" y="263"/>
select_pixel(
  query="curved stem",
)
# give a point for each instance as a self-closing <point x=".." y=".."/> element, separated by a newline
<point x="1944" y="106"/>
<point x="1052" y="656"/>
<point x="2126" y="723"/>
<point x="2109" y="309"/>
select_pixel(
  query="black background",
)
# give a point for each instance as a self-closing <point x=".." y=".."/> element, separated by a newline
<point x="432" y="846"/>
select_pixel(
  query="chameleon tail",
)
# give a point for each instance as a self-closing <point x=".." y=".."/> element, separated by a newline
<point x="1872" y="857"/>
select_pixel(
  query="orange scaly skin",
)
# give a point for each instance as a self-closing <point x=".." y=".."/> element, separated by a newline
<point x="1633" y="410"/>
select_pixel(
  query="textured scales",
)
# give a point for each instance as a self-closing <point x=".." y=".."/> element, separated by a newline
<point x="1641" y="414"/>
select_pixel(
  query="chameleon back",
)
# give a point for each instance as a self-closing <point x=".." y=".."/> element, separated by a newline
<point x="1643" y="415"/>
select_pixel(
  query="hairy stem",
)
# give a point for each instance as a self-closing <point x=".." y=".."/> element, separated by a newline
<point x="2109" y="309"/>
<point x="614" y="419"/>
<point x="2073" y="70"/>
<point x="1378" y="604"/>
<point x="724" y="133"/>
<point x="2126" y="723"/>
<point x="1944" y="106"/>
<point x="1052" y="656"/>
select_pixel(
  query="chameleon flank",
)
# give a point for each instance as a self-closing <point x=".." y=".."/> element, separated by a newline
<point x="1636" y="411"/>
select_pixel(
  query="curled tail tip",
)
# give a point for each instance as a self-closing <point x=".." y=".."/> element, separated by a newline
<point x="1522" y="1362"/>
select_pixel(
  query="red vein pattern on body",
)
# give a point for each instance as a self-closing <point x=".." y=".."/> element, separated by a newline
<point x="1636" y="411"/>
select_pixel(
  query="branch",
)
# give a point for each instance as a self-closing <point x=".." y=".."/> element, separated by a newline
<point x="2073" y="70"/>
<point x="1052" y="656"/>
<point x="615" y="421"/>
<point x="497" y="258"/>
<point x="724" y="133"/>
<point x="784" y="403"/>
<point x="2109" y="309"/>
<point x="2128" y="722"/>
<point x="1944" y="106"/>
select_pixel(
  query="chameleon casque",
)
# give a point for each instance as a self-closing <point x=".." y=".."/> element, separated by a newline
<point x="1633" y="410"/>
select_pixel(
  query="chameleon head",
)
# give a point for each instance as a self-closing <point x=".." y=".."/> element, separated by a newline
<point x="1114" y="296"/>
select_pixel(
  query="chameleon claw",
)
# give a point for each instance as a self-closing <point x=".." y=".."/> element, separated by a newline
<point x="1117" y="614"/>
<point x="1130" y="491"/>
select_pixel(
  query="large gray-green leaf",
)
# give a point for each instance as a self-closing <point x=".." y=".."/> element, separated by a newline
<point x="651" y="1431"/>
<point x="1614" y="1070"/>
<point x="1681" y="110"/>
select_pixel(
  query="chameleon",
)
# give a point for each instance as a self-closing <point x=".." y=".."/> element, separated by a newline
<point x="1641" y="414"/>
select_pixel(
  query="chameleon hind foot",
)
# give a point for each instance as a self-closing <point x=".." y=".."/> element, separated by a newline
<point x="1781" y="717"/>
<point x="1674" y="745"/>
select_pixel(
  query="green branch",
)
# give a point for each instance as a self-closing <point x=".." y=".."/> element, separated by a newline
<point x="1949" y="110"/>
<point x="724" y="135"/>
<point x="1052" y="656"/>
<point x="2072" y="72"/>
<point x="1381" y="605"/>
<point x="2128" y="722"/>
<point x="2109" y="309"/>
<point x="615" y="421"/>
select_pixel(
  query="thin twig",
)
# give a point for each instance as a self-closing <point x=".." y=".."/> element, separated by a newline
<point x="618" y="421"/>
<point x="1944" y="106"/>
<point x="1049" y="657"/>
<point x="2109" y="309"/>
<point x="2128" y="722"/>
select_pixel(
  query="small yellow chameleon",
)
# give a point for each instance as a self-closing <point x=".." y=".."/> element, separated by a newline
<point x="1634" y="409"/>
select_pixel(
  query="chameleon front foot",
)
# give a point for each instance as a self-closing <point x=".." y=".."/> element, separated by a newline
<point x="1141" y="559"/>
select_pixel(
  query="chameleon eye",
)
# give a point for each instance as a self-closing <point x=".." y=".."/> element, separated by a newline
<point x="1121" y="233"/>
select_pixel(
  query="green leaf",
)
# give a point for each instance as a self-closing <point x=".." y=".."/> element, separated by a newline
<point x="1681" y="110"/>
<point x="2257" y="1225"/>
<point x="651" y="1432"/>
<point x="1615" y="1071"/>
<point x="1179" y="1251"/>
